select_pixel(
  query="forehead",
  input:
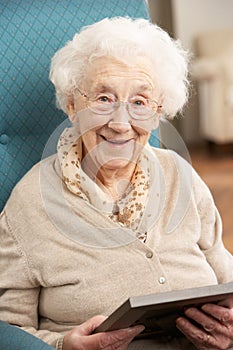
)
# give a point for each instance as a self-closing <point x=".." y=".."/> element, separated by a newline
<point x="107" y="71"/>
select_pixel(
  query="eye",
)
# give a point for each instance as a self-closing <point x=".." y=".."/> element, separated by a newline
<point x="105" y="99"/>
<point x="139" y="101"/>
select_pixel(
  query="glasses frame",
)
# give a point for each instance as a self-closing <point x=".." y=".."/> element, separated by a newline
<point x="117" y="104"/>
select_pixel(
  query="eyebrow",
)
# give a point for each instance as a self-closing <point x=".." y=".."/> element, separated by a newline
<point x="143" y="88"/>
<point x="109" y="88"/>
<point x="104" y="88"/>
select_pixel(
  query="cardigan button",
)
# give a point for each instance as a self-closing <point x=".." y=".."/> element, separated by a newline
<point x="162" y="280"/>
<point x="149" y="255"/>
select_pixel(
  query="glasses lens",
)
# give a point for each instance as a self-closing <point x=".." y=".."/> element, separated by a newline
<point x="137" y="109"/>
<point x="102" y="103"/>
<point x="140" y="112"/>
<point x="101" y="108"/>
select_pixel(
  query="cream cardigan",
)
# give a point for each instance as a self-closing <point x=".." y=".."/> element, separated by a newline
<point x="62" y="261"/>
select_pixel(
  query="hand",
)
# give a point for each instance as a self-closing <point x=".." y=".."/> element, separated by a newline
<point x="81" y="337"/>
<point x="215" y="326"/>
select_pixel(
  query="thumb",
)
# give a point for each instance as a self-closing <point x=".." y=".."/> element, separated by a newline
<point x="90" y="325"/>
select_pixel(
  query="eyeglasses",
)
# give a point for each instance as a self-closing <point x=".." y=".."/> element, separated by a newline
<point x="138" y="107"/>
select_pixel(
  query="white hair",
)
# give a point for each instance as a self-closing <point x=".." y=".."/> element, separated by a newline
<point x="123" y="38"/>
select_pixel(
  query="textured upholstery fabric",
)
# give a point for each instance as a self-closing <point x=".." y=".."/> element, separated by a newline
<point x="31" y="32"/>
<point x="13" y="338"/>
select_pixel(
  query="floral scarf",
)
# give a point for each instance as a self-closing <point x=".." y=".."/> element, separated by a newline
<point x="129" y="209"/>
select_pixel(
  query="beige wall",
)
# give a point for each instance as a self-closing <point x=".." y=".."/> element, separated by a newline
<point x="185" y="19"/>
<point x="191" y="17"/>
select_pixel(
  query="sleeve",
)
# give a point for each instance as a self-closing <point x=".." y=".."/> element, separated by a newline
<point x="19" y="291"/>
<point x="210" y="242"/>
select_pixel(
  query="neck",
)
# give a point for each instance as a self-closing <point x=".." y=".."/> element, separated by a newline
<point x="113" y="181"/>
<point x="116" y="181"/>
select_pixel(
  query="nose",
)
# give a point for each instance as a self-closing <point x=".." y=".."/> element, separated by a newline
<point x="120" y="119"/>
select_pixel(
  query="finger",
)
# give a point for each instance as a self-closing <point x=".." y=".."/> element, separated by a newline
<point x="213" y="334"/>
<point x="209" y="323"/>
<point x="222" y="314"/>
<point x="121" y="345"/>
<point x="202" y="339"/>
<point x="112" y="340"/>
<point x="197" y="336"/>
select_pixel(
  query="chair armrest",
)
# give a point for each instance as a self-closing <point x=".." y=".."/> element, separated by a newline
<point x="12" y="337"/>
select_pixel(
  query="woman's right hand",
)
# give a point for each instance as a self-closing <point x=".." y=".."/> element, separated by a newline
<point x="81" y="337"/>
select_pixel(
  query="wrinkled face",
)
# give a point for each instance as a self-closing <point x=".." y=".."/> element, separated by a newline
<point x="115" y="140"/>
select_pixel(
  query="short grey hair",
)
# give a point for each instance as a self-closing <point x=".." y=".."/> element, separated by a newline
<point x="122" y="38"/>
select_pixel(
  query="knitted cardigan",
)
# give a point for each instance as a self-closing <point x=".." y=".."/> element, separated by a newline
<point x="62" y="261"/>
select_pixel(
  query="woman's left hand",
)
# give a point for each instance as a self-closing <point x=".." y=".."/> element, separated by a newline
<point x="216" y="326"/>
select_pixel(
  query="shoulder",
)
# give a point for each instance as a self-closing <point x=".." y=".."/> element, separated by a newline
<point x="167" y="157"/>
<point x="172" y="164"/>
<point x="25" y="211"/>
<point x="27" y="191"/>
<point x="177" y="169"/>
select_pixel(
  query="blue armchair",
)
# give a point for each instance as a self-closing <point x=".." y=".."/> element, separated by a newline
<point x="14" y="338"/>
<point x="31" y="32"/>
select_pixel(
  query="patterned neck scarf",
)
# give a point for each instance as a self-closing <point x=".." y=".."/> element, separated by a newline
<point x="128" y="210"/>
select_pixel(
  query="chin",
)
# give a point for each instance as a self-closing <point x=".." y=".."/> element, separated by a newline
<point x="115" y="164"/>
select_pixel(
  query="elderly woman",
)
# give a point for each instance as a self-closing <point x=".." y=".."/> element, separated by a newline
<point x="109" y="216"/>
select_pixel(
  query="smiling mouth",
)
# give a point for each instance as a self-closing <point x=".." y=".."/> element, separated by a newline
<point x="115" y="142"/>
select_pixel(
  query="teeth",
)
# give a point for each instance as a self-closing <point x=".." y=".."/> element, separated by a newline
<point x="115" y="142"/>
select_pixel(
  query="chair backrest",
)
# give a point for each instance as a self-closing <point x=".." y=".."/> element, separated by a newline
<point x="31" y="32"/>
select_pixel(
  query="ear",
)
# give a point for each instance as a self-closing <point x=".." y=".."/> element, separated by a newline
<point x="71" y="108"/>
<point x="159" y="109"/>
<point x="160" y="104"/>
<point x="158" y="112"/>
